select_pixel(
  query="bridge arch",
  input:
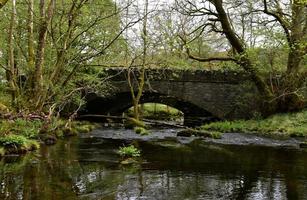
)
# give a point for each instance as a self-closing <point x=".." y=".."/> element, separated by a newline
<point x="120" y="102"/>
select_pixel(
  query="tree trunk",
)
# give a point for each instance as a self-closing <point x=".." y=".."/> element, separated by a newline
<point x="237" y="44"/>
<point x="39" y="60"/>
<point x="31" y="56"/>
<point x="141" y="82"/>
<point x="12" y="77"/>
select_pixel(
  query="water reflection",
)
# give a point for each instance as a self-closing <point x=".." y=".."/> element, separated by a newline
<point x="89" y="169"/>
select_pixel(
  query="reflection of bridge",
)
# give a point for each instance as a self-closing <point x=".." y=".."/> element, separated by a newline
<point x="200" y="95"/>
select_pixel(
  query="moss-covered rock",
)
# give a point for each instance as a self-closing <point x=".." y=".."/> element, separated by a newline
<point x="141" y="131"/>
<point x="16" y="144"/>
<point x="129" y="161"/>
<point x="130" y="123"/>
<point x="2" y="151"/>
<point x="199" y="133"/>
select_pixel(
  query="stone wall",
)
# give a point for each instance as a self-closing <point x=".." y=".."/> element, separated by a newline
<point x="222" y="95"/>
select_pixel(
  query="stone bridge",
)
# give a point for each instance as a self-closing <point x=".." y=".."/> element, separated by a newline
<point x="200" y="94"/>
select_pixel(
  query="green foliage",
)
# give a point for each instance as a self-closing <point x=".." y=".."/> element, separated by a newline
<point x="216" y="135"/>
<point x="21" y="135"/>
<point x="129" y="151"/>
<point x="85" y="127"/>
<point x="132" y="122"/>
<point x="61" y="128"/>
<point x="199" y="133"/>
<point x="141" y="131"/>
<point x="291" y="124"/>
<point x="26" y="128"/>
<point x="2" y="151"/>
<point x="18" y="143"/>
<point x="13" y="140"/>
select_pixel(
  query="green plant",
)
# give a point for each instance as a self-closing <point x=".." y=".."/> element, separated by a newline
<point x="129" y="151"/>
<point x="2" y="151"/>
<point x="141" y="131"/>
<point x="13" y="140"/>
<point x="18" y="142"/>
<point x="290" y="124"/>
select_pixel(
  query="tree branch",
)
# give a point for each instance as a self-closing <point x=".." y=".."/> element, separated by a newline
<point x="205" y="59"/>
<point x="279" y="18"/>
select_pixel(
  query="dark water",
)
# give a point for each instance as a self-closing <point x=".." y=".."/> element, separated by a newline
<point x="88" y="168"/>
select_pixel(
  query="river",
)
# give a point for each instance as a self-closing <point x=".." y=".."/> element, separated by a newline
<point x="87" y="167"/>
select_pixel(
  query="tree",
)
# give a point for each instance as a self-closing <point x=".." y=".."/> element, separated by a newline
<point x="136" y="95"/>
<point x="290" y="16"/>
<point x="64" y="41"/>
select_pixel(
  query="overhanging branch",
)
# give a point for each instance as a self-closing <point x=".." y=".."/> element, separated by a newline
<point x="210" y="59"/>
<point x="279" y="18"/>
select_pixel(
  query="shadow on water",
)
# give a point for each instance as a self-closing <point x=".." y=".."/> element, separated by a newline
<point x="88" y="168"/>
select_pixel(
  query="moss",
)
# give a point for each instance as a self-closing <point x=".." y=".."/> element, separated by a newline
<point x="141" y="131"/>
<point x="22" y="135"/>
<point x="18" y="144"/>
<point x="132" y="122"/>
<point x="85" y="127"/>
<point x="3" y="109"/>
<point x="289" y="125"/>
<point x="157" y="111"/>
<point x="31" y="145"/>
<point x="199" y="133"/>
<point x="2" y="151"/>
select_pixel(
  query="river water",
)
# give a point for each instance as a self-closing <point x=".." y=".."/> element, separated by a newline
<point x="87" y="167"/>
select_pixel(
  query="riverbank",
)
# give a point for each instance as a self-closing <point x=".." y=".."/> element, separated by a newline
<point x="20" y="135"/>
<point x="279" y="125"/>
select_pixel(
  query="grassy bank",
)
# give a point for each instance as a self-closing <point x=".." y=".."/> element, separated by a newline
<point x="287" y="125"/>
<point x="157" y="111"/>
<point x="20" y="135"/>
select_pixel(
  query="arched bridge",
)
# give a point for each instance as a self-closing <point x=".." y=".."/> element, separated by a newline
<point x="201" y="95"/>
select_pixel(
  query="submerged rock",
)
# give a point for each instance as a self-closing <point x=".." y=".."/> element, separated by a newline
<point x="128" y="161"/>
